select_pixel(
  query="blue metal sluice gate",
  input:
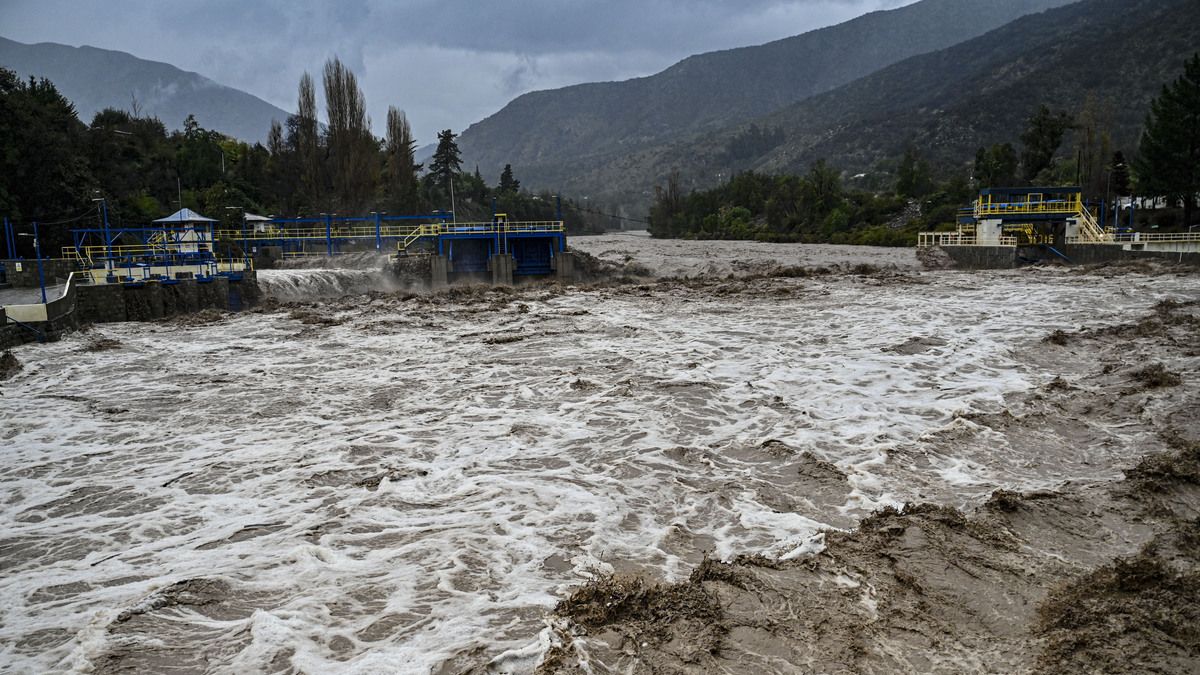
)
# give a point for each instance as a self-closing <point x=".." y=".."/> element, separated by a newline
<point x="467" y="246"/>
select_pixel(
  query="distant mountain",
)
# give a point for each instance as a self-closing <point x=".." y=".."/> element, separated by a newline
<point x="551" y="136"/>
<point x="94" y="79"/>
<point x="1117" y="53"/>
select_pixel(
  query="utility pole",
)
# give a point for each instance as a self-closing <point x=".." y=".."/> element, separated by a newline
<point x="104" y="221"/>
<point x="37" y="247"/>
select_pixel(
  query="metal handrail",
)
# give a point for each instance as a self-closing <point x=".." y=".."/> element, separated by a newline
<point x="1144" y="238"/>
<point x="989" y="208"/>
<point x="931" y="239"/>
<point x="39" y="335"/>
<point x="407" y="232"/>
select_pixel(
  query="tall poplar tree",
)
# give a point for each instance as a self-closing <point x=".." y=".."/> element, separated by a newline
<point x="306" y="144"/>
<point x="353" y="151"/>
<point x="401" y="186"/>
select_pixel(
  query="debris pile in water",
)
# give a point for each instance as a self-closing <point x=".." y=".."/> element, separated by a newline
<point x="9" y="365"/>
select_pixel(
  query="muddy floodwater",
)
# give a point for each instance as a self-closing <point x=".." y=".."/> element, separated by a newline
<point x="404" y="483"/>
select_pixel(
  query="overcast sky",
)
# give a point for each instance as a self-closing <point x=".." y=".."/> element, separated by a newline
<point x="447" y="63"/>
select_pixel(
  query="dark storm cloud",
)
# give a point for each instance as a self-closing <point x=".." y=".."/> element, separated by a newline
<point x="446" y="62"/>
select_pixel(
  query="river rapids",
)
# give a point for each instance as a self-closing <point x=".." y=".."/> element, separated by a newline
<point x="391" y="482"/>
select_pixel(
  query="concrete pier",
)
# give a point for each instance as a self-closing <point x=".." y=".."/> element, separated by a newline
<point x="564" y="267"/>
<point x="439" y="272"/>
<point x="502" y="266"/>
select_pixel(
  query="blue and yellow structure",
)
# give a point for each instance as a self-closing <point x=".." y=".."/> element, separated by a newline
<point x="1014" y="216"/>
<point x="526" y="248"/>
<point x="165" y="254"/>
<point x="203" y="248"/>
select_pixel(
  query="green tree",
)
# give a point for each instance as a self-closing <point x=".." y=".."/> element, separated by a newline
<point x="1041" y="139"/>
<point x="1093" y="146"/>
<point x="1118" y="180"/>
<point x="135" y="163"/>
<point x="996" y="166"/>
<point x="912" y="177"/>
<point x="667" y="210"/>
<point x="199" y="157"/>
<point x="282" y="171"/>
<point x="1168" y="162"/>
<point x="43" y="171"/>
<point x="353" y="152"/>
<point x="508" y="184"/>
<point x="305" y="140"/>
<point x="446" y="162"/>
<point x="401" y="188"/>
<point x="822" y="190"/>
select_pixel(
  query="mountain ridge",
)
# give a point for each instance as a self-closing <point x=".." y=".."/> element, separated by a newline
<point x="551" y="134"/>
<point x="94" y="78"/>
<point x="950" y="102"/>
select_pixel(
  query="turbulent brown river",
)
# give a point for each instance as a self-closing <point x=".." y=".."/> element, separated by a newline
<point x="395" y="483"/>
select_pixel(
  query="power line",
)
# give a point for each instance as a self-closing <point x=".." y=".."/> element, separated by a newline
<point x="74" y="219"/>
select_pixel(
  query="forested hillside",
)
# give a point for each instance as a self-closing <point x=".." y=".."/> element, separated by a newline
<point x="95" y="79"/>
<point x="554" y="136"/>
<point x="1100" y="61"/>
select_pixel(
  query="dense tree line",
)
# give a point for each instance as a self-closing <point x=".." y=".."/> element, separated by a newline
<point x="818" y="207"/>
<point x="1168" y="163"/>
<point x="813" y="208"/>
<point x="55" y="168"/>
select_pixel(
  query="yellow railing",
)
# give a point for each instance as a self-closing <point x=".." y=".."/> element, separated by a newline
<point x="1089" y="230"/>
<point x="337" y="232"/>
<point x="986" y="207"/>
<point x="408" y="233"/>
<point x="128" y="251"/>
<point x="1145" y="237"/>
<point x="930" y="239"/>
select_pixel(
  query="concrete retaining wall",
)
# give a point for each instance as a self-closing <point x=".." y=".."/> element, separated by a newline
<point x="1091" y="254"/>
<point x="27" y="277"/>
<point x="151" y="301"/>
<point x="1008" y="257"/>
<point x="108" y="303"/>
<point x="982" y="257"/>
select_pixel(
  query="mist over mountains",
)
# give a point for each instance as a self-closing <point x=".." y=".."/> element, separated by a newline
<point x="95" y="79"/>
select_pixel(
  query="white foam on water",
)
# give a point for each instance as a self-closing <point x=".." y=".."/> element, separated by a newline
<point x="396" y="491"/>
<point x="303" y="285"/>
